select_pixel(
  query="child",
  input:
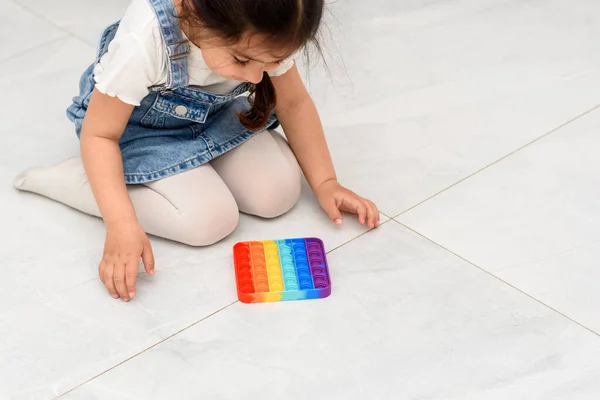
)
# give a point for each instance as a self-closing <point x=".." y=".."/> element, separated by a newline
<point x="169" y="144"/>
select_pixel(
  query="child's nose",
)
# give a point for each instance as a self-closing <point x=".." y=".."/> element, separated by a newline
<point x="256" y="76"/>
<point x="255" y="80"/>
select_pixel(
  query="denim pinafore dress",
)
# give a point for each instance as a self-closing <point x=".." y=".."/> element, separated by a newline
<point x="176" y="127"/>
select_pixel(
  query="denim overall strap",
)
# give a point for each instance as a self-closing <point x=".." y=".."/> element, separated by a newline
<point x="177" y="45"/>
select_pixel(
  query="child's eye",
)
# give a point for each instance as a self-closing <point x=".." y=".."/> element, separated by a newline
<point x="240" y="62"/>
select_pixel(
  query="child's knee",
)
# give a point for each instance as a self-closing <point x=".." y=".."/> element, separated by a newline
<point x="279" y="192"/>
<point x="206" y="226"/>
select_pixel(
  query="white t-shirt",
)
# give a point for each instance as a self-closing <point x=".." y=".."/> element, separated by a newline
<point x="137" y="60"/>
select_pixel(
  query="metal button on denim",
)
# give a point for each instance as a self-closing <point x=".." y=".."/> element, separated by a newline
<point x="181" y="110"/>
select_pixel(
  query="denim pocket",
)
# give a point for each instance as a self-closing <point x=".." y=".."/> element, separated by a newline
<point x="171" y="110"/>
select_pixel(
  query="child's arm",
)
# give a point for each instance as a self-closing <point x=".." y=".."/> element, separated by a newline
<point x="103" y="126"/>
<point x="301" y="123"/>
<point x="104" y="123"/>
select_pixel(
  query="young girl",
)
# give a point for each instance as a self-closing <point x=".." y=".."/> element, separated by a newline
<point x="171" y="146"/>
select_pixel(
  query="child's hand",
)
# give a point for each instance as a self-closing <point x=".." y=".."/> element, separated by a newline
<point x="125" y="243"/>
<point x="334" y="198"/>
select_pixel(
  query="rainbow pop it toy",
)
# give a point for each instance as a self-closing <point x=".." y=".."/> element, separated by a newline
<point x="281" y="270"/>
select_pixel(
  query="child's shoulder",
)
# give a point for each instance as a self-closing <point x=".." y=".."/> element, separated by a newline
<point x="139" y="31"/>
<point x="139" y="17"/>
<point x="135" y="58"/>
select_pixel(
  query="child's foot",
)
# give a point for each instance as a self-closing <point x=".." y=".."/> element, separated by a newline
<point x="66" y="183"/>
<point x="46" y="180"/>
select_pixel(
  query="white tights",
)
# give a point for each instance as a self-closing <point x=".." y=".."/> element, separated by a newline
<point x="198" y="207"/>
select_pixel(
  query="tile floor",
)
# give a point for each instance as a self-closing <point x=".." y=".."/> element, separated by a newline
<point x="474" y="124"/>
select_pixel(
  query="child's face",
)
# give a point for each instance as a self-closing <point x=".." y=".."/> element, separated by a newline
<point x="244" y="61"/>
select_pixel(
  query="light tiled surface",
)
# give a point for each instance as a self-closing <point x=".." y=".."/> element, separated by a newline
<point x="421" y="94"/>
<point x="442" y="90"/>
<point x="83" y="19"/>
<point x="408" y="320"/>
<point x="22" y="31"/>
<point x="532" y="219"/>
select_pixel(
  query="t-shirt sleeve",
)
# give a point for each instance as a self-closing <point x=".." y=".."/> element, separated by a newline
<point x="132" y="63"/>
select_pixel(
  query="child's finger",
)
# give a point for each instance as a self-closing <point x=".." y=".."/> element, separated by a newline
<point x="119" y="279"/>
<point x="333" y="211"/>
<point x="361" y="210"/>
<point x="376" y="215"/>
<point x="371" y="216"/>
<point x="148" y="258"/>
<point x="131" y="269"/>
<point x="109" y="281"/>
<point x="101" y="267"/>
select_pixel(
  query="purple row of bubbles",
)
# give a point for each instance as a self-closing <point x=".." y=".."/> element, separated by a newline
<point x="288" y="270"/>
<point x="318" y="265"/>
<point x="301" y="260"/>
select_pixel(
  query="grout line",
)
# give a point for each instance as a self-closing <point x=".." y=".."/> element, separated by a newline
<point x="500" y="279"/>
<point x="364" y="233"/>
<point x="60" y="27"/>
<point x="144" y="350"/>
<point x="193" y="324"/>
<point x="501" y="159"/>
<point x="330" y="251"/>
<point x="361" y="235"/>
<point x="385" y="215"/>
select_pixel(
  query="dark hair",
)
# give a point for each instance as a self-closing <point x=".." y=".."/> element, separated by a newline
<point x="286" y="24"/>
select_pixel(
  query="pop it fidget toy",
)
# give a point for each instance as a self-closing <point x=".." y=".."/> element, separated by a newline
<point x="281" y="270"/>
